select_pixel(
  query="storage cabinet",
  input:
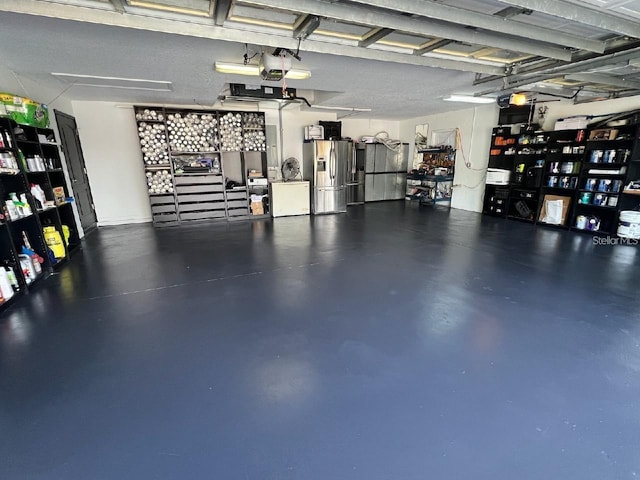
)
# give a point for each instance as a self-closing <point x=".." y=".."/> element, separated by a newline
<point x="36" y="210"/>
<point x="385" y="171"/>
<point x="202" y="165"/>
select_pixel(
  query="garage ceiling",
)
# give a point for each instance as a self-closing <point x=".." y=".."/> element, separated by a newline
<point x="395" y="57"/>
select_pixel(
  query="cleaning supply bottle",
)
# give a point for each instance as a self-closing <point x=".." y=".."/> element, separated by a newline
<point x="11" y="273"/>
<point x="53" y="239"/>
<point x="5" y="285"/>
<point x="26" y="208"/>
<point x="66" y="233"/>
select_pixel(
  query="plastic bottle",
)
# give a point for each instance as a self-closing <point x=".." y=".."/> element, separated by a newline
<point x="12" y="275"/>
<point x="5" y="285"/>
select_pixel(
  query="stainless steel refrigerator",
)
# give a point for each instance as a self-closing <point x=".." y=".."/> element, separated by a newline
<point x="325" y="164"/>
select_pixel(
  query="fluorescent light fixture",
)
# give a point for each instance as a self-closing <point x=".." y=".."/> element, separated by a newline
<point x="469" y="99"/>
<point x="297" y="74"/>
<point x="114" y="82"/>
<point x="253" y="70"/>
<point x="168" y="8"/>
<point x="237" y="68"/>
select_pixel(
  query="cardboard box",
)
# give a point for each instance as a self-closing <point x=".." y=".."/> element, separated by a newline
<point x="257" y="208"/>
<point x="566" y="203"/>
<point x="572" y="123"/>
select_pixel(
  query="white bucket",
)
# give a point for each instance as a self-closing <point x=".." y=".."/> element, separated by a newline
<point x="629" y="226"/>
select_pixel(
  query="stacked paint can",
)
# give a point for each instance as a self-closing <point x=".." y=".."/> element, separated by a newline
<point x="629" y="224"/>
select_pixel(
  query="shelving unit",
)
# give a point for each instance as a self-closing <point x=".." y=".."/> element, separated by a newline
<point x="565" y="152"/>
<point x="199" y="164"/>
<point x="587" y="170"/>
<point x="432" y="181"/>
<point x="604" y="174"/>
<point x="30" y="156"/>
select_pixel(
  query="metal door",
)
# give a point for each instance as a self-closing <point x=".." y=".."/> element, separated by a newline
<point x="324" y="163"/>
<point x="380" y="161"/>
<point x="369" y="157"/>
<point x="72" y="149"/>
<point x="342" y="155"/>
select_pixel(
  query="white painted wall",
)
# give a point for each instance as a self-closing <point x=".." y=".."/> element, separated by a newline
<point x="356" y="127"/>
<point x="109" y="137"/>
<point x="293" y="122"/>
<point x="475" y="126"/>
<point x="54" y="99"/>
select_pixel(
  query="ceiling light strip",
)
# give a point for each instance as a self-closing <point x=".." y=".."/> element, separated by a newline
<point x="168" y="8"/>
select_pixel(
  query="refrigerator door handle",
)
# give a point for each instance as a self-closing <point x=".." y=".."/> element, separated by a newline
<point x="332" y="162"/>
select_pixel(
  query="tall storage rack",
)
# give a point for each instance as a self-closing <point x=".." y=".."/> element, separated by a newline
<point x="432" y="182"/>
<point x="31" y="156"/>
<point x="202" y="165"/>
<point x="589" y="170"/>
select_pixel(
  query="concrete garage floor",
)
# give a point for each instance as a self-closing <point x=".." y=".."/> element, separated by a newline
<point x="388" y="343"/>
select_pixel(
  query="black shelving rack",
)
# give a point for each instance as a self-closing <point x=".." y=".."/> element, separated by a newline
<point x="36" y="160"/>
<point x="560" y="181"/>
<point x="502" y="154"/>
<point x="591" y="170"/>
<point x="610" y="162"/>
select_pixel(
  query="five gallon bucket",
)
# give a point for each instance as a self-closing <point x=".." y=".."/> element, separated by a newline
<point x="629" y="225"/>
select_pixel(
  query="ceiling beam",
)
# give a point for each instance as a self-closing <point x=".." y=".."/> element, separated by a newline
<point x="305" y="26"/>
<point x="221" y="11"/>
<point x="424" y="27"/>
<point x="587" y="15"/>
<point x="118" y="5"/>
<point x="611" y="80"/>
<point x="511" y="12"/>
<point x="491" y="23"/>
<point x="202" y="28"/>
<point x="373" y="35"/>
<point x="430" y="47"/>
<point x="584" y="66"/>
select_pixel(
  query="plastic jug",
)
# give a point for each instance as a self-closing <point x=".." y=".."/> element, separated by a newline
<point x="53" y="240"/>
<point x="66" y="233"/>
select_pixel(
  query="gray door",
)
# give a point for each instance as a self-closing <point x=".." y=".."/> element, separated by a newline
<point x="77" y="171"/>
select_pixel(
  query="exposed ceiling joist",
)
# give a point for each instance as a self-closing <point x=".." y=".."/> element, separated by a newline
<point x="487" y="22"/>
<point x="582" y="67"/>
<point x="305" y="26"/>
<point x="373" y="35"/>
<point x="221" y="11"/>
<point x="511" y="12"/>
<point x="203" y="29"/>
<point x="584" y="14"/>
<point x="425" y="27"/>
<point x="600" y="79"/>
<point x="432" y="46"/>
<point x="118" y="5"/>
